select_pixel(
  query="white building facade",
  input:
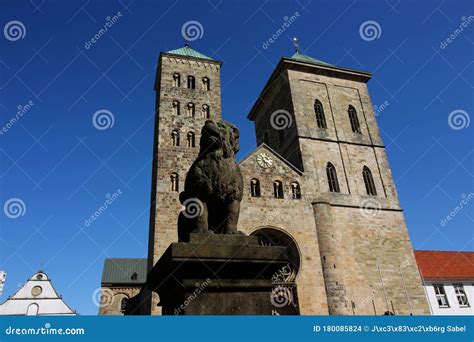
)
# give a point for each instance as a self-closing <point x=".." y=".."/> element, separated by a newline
<point x="36" y="297"/>
<point x="448" y="279"/>
<point x="448" y="298"/>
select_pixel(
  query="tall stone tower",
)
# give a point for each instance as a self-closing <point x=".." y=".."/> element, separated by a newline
<point x="319" y="117"/>
<point x="188" y="92"/>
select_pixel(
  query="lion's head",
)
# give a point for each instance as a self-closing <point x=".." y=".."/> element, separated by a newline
<point x="219" y="137"/>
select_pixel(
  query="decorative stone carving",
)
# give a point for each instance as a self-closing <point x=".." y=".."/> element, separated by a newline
<point x="213" y="187"/>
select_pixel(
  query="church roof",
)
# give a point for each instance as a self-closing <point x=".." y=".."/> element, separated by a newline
<point x="36" y="297"/>
<point x="304" y="58"/>
<point x="124" y="271"/>
<point x="188" y="52"/>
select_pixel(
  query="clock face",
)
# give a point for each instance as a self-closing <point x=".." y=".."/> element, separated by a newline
<point x="264" y="160"/>
<point x="36" y="290"/>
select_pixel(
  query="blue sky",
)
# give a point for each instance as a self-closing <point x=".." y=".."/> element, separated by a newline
<point x="63" y="168"/>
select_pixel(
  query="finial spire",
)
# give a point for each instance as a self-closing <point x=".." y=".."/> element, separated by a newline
<point x="186" y="43"/>
<point x="296" y="44"/>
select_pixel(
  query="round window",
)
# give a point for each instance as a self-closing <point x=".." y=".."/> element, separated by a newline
<point x="36" y="290"/>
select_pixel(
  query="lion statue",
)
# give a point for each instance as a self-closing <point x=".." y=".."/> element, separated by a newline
<point x="213" y="186"/>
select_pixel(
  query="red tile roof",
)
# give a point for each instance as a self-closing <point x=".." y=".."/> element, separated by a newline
<point x="445" y="265"/>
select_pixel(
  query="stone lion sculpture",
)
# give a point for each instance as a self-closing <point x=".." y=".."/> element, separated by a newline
<point x="213" y="186"/>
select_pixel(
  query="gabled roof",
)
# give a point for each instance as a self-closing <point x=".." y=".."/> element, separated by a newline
<point x="36" y="297"/>
<point x="122" y="270"/>
<point x="188" y="52"/>
<point x="445" y="264"/>
<point x="276" y="154"/>
<point x="304" y="58"/>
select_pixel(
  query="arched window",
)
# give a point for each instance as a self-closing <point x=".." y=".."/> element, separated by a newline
<point x="332" y="178"/>
<point x="32" y="309"/>
<point x="205" y="111"/>
<point x="278" y="189"/>
<point x="319" y="111"/>
<point x="206" y="83"/>
<point x="255" y="187"/>
<point x="369" y="182"/>
<point x="176" y="109"/>
<point x="176" y="80"/>
<point x="191" y="139"/>
<point x="191" y="82"/>
<point x="295" y="190"/>
<point x="123" y="304"/>
<point x="175" y="138"/>
<point x="191" y="109"/>
<point x="353" y="119"/>
<point x="174" y="182"/>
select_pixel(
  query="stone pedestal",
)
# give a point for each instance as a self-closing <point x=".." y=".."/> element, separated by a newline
<point x="216" y="274"/>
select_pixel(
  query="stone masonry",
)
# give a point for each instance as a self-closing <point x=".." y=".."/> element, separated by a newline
<point x="352" y="251"/>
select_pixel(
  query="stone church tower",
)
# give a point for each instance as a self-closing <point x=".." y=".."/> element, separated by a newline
<point x="188" y="92"/>
<point x="318" y="183"/>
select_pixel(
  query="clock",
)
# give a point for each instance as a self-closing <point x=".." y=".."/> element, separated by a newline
<point x="264" y="160"/>
<point x="36" y="290"/>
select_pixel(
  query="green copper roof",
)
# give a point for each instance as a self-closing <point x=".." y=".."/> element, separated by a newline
<point x="303" y="58"/>
<point x="122" y="271"/>
<point x="187" y="51"/>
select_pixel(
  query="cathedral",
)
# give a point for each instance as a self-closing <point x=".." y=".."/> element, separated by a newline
<point x="318" y="183"/>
